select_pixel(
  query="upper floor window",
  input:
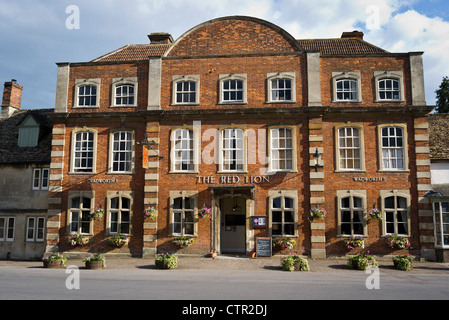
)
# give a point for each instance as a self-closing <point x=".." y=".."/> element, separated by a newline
<point x="124" y="92"/>
<point x="40" y="179"/>
<point x="346" y="87"/>
<point x="350" y="152"/>
<point x="87" y="93"/>
<point x="186" y="89"/>
<point x="83" y="154"/>
<point x="389" y="89"/>
<point x="393" y="148"/>
<point x="183" y="150"/>
<point x="281" y="149"/>
<point x="281" y="87"/>
<point x="122" y="151"/>
<point x="124" y="95"/>
<point x="232" y="88"/>
<point x="389" y="85"/>
<point x="232" y="150"/>
<point x="346" y="90"/>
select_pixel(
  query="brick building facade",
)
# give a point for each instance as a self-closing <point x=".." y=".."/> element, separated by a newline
<point x="239" y="117"/>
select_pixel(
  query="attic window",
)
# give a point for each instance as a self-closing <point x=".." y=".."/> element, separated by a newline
<point x="28" y="133"/>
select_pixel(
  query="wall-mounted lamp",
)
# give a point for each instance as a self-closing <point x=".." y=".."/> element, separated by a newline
<point x="149" y="144"/>
<point x="317" y="158"/>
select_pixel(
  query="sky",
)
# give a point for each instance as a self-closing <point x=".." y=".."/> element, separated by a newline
<point x="36" y="34"/>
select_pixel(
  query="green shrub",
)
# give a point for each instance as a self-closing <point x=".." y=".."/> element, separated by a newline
<point x="295" y="263"/>
<point x="403" y="262"/>
<point x="166" y="261"/>
<point x="361" y="261"/>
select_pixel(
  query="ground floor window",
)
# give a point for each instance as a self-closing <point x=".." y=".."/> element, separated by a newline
<point x="119" y="215"/>
<point x="351" y="208"/>
<point x="7" y="228"/>
<point x="183" y="206"/>
<point x="283" y="212"/>
<point x="35" y="229"/>
<point x="80" y="209"/>
<point x="396" y="212"/>
<point x="441" y="211"/>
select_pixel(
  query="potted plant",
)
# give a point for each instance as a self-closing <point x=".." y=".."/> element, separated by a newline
<point x="118" y="240"/>
<point x="398" y="242"/>
<point x="317" y="214"/>
<point x="375" y="214"/>
<point x="362" y="261"/>
<point x="354" y="242"/>
<point x="78" y="240"/>
<point x="284" y="242"/>
<point x="183" y="242"/>
<point x="166" y="261"/>
<point x="97" y="215"/>
<point x="96" y="261"/>
<point x="402" y="262"/>
<point x="205" y="213"/>
<point x="295" y="263"/>
<point x="150" y="214"/>
<point x="54" y="261"/>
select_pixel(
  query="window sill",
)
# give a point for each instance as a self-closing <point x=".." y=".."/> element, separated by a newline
<point x="124" y="106"/>
<point x="350" y="171"/>
<point x="394" y="171"/>
<point x="185" y="172"/>
<point x="282" y="101"/>
<point x="85" y="107"/>
<point x="82" y="173"/>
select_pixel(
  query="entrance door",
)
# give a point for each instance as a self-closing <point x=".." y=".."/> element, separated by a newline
<point x="233" y="225"/>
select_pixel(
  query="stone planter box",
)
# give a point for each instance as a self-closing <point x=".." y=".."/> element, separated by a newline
<point x="94" y="265"/>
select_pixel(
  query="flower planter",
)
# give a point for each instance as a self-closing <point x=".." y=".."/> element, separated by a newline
<point x="94" y="265"/>
<point x="166" y="261"/>
<point x="53" y="264"/>
<point x="294" y="263"/>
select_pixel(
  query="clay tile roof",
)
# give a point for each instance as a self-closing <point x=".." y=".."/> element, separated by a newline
<point x="439" y="136"/>
<point x="339" y="46"/>
<point x="134" y="52"/>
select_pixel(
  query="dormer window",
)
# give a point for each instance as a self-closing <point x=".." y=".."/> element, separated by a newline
<point x="28" y="133"/>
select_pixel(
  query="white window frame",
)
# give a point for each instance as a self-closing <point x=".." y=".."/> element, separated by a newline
<point x="389" y="75"/>
<point x="339" y="148"/>
<point x="382" y="148"/>
<point x="346" y="76"/>
<point x="351" y="194"/>
<point x="36" y="227"/>
<point x="291" y="194"/>
<point x="230" y="153"/>
<point x="440" y="224"/>
<point x="87" y="82"/>
<point x="275" y="77"/>
<point x="122" y="82"/>
<point x="6" y="228"/>
<point x="129" y="151"/>
<point x="83" y="170"/>
<point x="183" y="194"/>
<point x="395" y="193"/>
<point x="273" y="149"/>
<point x="224" y="78"/>
<point x="80" y="211"/>
<point x="184" y="143"/>
<point x="186" y="78"/>
<point x="41" y="178"/>
<point x="129" y="195"/>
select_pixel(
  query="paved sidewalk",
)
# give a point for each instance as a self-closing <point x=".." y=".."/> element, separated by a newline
<point x="229" y="262"/>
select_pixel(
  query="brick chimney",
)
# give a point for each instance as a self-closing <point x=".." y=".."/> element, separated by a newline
<point x="160" y="38"/>
<point x="353" y="34"/>
<point x="12" y="96"/>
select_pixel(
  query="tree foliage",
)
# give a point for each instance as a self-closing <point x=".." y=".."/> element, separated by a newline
<point x="443" y="96"/>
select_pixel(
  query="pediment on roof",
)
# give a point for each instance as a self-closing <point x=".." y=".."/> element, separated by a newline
<point x="234" y="36"/>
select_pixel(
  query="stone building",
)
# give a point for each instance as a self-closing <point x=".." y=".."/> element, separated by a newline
<point x="25" y="146"/>
<point x="239" y="117"/>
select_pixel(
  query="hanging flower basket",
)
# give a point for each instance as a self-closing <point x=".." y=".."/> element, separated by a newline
<point x="397" y="242"/>
<point x="354" y="242"/>
<point x="317" y="214"/>
<point x="78" y="240"/>
<point x="183" y="242"/>
<point x="205" y="213"/>
<point x="375" y="214"/>
<point x="97" y="215"/>
<point x="118" y="241"/>
<point x="150" y="214"/>
<point x="284" y="242"/>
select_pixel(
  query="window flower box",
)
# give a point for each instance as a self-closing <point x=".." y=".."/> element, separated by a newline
<point x="183" y="242"/>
